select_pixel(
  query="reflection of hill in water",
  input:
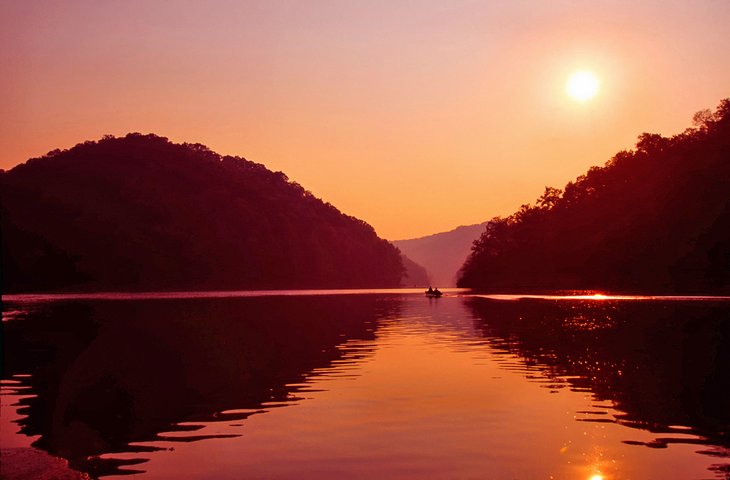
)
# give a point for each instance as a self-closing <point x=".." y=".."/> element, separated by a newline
<point x="662" y="363"/>
<point x="109" y="373"/>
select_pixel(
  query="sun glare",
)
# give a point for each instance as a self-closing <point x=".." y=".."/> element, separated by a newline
<point x="582" y="85"/>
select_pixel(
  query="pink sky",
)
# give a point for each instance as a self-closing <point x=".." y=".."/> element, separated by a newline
<point x="416" y="116"/>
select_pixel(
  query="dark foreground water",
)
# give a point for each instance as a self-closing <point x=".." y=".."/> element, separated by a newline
<point x="371" y="385"/>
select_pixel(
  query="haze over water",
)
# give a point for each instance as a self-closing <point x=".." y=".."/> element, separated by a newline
<point x="378" y="384"/>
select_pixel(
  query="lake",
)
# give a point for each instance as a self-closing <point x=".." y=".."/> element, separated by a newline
<point x="370" y="384"/>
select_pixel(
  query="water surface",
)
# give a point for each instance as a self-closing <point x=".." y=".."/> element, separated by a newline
<point x="370" y="384"/>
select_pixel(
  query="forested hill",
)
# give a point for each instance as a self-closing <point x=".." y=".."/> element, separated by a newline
<point x="654" y="219"/>
<point x="140" y="212"/>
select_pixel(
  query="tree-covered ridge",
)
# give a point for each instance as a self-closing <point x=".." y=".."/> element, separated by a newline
<point x="653" y="219"/>
<point x="141" y="212"/>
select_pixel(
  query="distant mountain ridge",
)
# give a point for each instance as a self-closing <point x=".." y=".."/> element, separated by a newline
<point x="416" y="275"/>
<point x="442" y="254"/>
<point x="141" y="212"/>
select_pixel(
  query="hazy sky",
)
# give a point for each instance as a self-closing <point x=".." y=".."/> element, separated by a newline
<point x="416" y="116"/>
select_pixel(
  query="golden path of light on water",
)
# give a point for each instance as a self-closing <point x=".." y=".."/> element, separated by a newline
<point x="459" y="292"/>
<point x="602" y="297"/>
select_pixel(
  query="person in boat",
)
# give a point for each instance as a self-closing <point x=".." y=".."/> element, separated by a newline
<point x="433" y="292"/>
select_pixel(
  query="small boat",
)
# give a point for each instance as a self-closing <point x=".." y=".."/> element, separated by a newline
<point x="433" y="293"/>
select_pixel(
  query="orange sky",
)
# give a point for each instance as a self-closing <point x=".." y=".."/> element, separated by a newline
<point x="416" y="116"/>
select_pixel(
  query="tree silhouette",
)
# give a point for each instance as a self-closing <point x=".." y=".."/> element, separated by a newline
<point x="140" y="212"/>
<point x="653" y="219"/>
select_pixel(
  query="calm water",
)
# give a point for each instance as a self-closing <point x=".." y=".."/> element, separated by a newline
<point x="384" y="384"/>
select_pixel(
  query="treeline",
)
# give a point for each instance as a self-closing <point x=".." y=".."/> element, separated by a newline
<point x="140" y="212"/>
<point x="654" y="219"/>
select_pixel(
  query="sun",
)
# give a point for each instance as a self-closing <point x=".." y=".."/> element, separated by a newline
<point x="582" y="85"/>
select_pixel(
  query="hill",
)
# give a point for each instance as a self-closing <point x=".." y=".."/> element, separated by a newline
<point x="654" y="219"/>
<point x="442" y="254"/>
<point x="141" y="212"/>
<point x="416" y="275"/>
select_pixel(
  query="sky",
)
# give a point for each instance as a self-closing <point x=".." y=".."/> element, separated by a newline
<point x="415" y="116"/>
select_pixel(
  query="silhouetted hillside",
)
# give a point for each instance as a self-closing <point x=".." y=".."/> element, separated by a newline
<point x="653" y="219"/>
<point x="140" y="212"/>
<point x="442" y="254"/>
<point x="416" y="275"/>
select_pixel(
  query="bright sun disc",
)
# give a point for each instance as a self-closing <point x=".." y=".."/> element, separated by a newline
<point x="582" y="85"/>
